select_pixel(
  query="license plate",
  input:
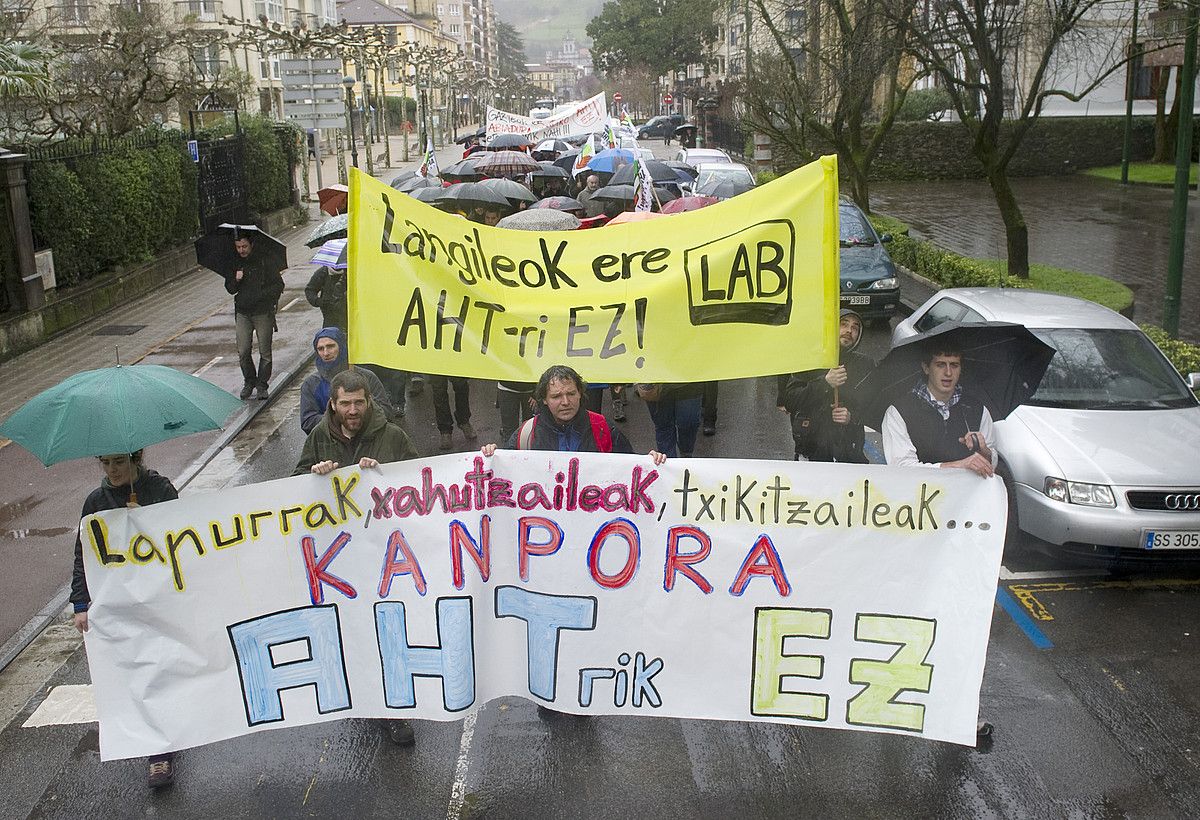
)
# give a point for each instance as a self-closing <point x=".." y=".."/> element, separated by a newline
<point x="1171" y="539"/>
<point x="857" y="300"/>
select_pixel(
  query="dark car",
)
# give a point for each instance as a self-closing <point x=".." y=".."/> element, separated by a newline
<point x="868" y="277"/>
<point x="660" y="127"/>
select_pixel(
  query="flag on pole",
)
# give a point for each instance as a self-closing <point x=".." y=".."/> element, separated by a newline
<point x="610" y="135"/>
<point x="627" y="122"/>
<point x="429" y="166"/>
<point x="585" y="156"/>
<point x="643" y="191"/>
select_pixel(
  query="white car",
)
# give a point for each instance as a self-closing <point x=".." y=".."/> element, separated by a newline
<point x="718" y="171"/>
<point x="1104" y="459"/>
<point x="699" y="156"/>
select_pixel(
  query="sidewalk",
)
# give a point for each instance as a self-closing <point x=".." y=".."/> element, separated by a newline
<point x="188" y="325"/>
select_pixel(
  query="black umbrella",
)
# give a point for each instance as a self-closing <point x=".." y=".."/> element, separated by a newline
<point x="215" y="251"/>
<point x="502" y="142"/>
<point x="567" y="161"/>
<point x="426" y="194"/>
<point x="620" y="193"/>
<point x="401" y="178"/>
<point x="685" y="172"/>
<point x="723" y="188"/>
<point x="683" y="129"/>
<point x="1002" y="363"/>
<point x="551" y="171"/>
<point x="659" y="172"/>
<point x="470" y="195"/>
<point x="463" y="140"/>
<point x="417" y="182"/>
<point x="511" y="190"/>
<point x="460" y="171"/>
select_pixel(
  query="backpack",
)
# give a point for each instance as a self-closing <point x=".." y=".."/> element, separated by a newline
<point x="600" y="432"/>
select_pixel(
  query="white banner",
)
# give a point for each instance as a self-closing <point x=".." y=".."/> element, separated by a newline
<point x="851" y="597"/>
<point x="584" y="118"/>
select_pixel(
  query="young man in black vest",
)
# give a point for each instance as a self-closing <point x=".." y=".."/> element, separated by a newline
<point x="938" y="424"/>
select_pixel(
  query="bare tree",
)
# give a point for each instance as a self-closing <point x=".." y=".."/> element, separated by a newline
<point x="835" y="71"/>
<point x="1000" y="60"/>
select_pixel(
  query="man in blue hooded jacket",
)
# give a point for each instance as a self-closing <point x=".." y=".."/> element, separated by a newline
<point x="330" y="345"/>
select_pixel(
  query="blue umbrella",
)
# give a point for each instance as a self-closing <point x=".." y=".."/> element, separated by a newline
<point x="610" y="159"/>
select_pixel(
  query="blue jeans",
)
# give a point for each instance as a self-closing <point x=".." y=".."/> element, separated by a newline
<point x="676" y="422"/>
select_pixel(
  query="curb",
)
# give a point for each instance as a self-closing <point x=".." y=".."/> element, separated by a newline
<point x="34" y="627"/>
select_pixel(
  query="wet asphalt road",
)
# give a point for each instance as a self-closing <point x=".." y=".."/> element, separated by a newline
<point x="1075" y="222"/>
<point x="1103" y="723"/>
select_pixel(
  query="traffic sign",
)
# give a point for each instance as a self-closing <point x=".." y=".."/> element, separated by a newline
<point x="312" y="95"/>
<point x="668" y="99"/>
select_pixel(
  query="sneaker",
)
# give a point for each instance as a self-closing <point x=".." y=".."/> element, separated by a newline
<point x="447" y="441"/>
<point x="247" y="390"/>
<point x="468" y="431"/>
<point x="262" y="393"/>
<point x="400" y="732"/>
<point x="710" y="429"/>
<point x="162" y="771"/>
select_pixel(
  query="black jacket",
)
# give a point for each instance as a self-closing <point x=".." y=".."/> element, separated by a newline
<point x="935" y="439"/>
<point x="327" y="290"/>
<point x="151" y="487"/>
<point x="259" y="290"/>
<point x="548" y="433"/>
<point x="809" y="399"/>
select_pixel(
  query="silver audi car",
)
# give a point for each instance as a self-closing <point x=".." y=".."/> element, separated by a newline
<point x="1104" y="460"/>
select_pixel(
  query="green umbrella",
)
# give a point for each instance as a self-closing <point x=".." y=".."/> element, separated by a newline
<point x="116" y="410"/>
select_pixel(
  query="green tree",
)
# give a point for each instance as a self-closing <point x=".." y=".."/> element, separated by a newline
<point x="510" y="52"/>
<point x="658" y="35"/>
<point x="24" y="69"/>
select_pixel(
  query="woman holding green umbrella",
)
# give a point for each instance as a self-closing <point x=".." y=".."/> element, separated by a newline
<point x="126" y="483"/>
<point x="112" y="414"/>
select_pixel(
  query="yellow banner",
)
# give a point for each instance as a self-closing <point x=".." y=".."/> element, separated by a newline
<point x="746" y="287"/>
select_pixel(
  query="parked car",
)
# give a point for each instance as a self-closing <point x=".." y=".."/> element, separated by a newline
<point x="718" y="171"/>
<point x="1104" y="459"/>
<point x="660" y="127"/>
<point x="699" y="156"/>
<point x="868" y="277"/>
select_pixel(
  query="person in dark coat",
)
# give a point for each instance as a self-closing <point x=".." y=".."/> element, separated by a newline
<point x="126" y="483"/>
<point x="562" y="422"/>
<point x="326" y="289"/>
<point x="256" y="288"/>
<point x="824" y="429"/>
<point x="330" y="346"/>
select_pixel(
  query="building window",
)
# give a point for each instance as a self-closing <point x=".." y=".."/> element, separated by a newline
<point x="455" y="28"/>
<point x="441" y="9"/>
<point x="207" y="60"/>
<point x="455" y="10"/>
<point x="795" y="21"/>
<point x="268" y="68"/>
<point x="1143" y="75"/>
<point x="271" y="9"/>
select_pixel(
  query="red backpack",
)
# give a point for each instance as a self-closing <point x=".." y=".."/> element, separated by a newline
<point x="600" y="433"/>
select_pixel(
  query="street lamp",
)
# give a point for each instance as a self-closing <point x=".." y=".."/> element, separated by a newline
<point x="348" y="82"/>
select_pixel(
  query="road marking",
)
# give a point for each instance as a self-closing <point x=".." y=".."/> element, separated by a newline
<point x="289" y="304"/>
<point x="1027" y="594"/>
<point x="458" y="792"/>
<point x="206" y="367"/>
<point x="1037" y="575"/>
<point x="1022" y="620"/>
<point x="63" y="706"/>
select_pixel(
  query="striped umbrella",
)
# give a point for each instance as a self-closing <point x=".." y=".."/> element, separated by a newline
<point x="332" y="254"/>
<point x="506" y="163"/>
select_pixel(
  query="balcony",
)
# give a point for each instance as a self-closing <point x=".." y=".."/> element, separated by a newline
<point x="69" y="16"/>
<point x="197" y="11"/>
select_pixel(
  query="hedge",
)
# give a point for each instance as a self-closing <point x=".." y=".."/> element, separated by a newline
<point x="115" y="208"/>
<point x="942" y="150"/>
<point x="271" y="149"/>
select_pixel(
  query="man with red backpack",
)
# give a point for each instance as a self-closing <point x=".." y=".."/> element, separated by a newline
<point x="562" y="424"/>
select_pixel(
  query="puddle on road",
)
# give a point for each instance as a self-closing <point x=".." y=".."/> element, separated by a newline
<point x="15" y="509"/>
<point x="48" y="532"/>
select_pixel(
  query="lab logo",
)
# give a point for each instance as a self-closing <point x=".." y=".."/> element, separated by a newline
<point x="743" y="278"/>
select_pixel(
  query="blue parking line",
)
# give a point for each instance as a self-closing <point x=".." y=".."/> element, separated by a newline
<point x="1021" y="618"/>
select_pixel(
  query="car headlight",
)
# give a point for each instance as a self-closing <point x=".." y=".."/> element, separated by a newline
<point x="1077" y="492"/>
<point x="883" y="284"/>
